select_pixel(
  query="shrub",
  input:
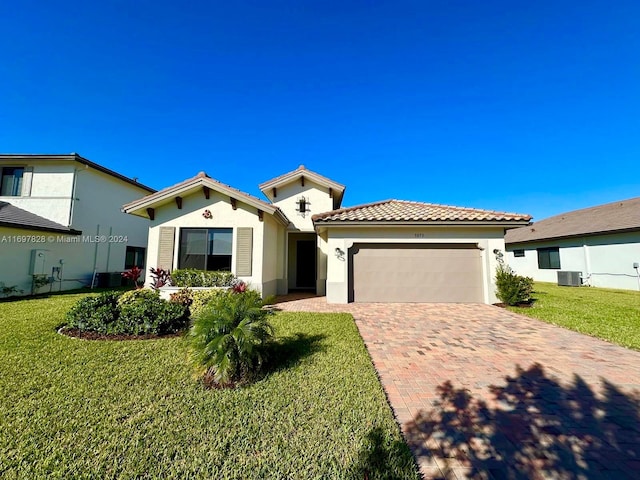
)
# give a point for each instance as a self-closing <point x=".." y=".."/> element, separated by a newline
<point x="184" y="296"/>
<point x="228" y="338"/>
<point x="202" y="298"/>
<point x="132" y="296"/>
<point x="156" y="317"/>
<point x="512" y="289"/>
<point x="133" y="274"/>
<point x="189" y="277"/>
<point x="95" y="314"/>
<point x="137" y="312"/>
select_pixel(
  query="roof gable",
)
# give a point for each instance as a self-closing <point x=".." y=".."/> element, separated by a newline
<point x="201" y="182"/>
<point x="300" y="174"/>
<point x="612" y="217"/>
<point x="12" y="216"/>
<point x="402" y="211"/>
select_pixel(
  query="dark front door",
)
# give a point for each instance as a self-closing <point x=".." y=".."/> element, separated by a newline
<point x="306" y="264"/>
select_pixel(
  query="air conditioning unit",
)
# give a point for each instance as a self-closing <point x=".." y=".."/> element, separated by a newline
<point x="570" y="279"/>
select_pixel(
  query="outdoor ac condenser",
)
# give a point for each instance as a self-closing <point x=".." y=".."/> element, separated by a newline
<point x="570" y="279"/>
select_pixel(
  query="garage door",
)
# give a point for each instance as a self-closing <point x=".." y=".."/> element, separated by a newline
<point x="416" y="273"/>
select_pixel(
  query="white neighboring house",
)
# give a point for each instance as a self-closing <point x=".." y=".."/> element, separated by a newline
<point x="389" y="251"/>
<point x="602" y="243"/>
<point x="60" y="219"/>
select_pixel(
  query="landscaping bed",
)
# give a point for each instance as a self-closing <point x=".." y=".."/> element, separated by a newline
<point x="108" y="409"/>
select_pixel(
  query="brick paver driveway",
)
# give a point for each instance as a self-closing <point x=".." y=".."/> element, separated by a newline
<point x="484" y="393"/>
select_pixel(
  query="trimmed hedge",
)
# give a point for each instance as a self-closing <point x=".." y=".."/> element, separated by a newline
<point x="190" y="277"/>
<point x="139" y="312"/>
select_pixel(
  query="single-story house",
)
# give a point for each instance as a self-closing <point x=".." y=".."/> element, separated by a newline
<point x="601" y="243"/>
<point x="301" y="239"/>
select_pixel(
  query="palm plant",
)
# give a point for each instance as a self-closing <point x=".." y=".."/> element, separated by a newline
<point x="228" y="338"/>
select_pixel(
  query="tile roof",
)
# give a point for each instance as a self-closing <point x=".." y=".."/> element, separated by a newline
<point x="623" y="215"/>
<point x="12" y="216"/>
<point x="406" y="211"/>
<point x="301" y="170"/>
<point x="203" y="178"/>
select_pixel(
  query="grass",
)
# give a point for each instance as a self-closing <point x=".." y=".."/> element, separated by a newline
<point x="102" y="409"/>
<point x="612" y="315"/>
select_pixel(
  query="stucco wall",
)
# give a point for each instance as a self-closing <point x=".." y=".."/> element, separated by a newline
<point x="16" y="258"/>
<point x="318" y="202"/>
<point x="604" y="260"/>
<point x="50" y="188"/>
<point x="273" y="254"/>
<point x="337" y="288"/>
<point x="95" y="210"/>
<point x="223" y="216"/>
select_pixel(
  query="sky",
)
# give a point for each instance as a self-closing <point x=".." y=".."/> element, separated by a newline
<point x="529" y="107"/>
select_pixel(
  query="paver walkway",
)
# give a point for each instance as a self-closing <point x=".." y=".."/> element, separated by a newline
<point x="481" y="392"/>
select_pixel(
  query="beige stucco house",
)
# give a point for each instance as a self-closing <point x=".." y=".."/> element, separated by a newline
<point x="300" y="239"/>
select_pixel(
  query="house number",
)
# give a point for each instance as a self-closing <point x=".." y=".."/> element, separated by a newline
<point x="418" y="235"/>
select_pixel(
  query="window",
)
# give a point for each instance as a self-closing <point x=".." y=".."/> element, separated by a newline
<point x="518" y="253"/>
<point x="549" y="258"/>
<point x="11" y="184"/>
<point x="205" y="249"/>
<point x="134" y="257"/>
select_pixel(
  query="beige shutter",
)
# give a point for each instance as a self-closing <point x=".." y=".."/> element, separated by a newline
<point x="244" y="251"/>
<point x="165" y="247"/>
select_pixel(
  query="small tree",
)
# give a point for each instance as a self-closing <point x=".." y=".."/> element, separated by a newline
<point x="512" y="289"/>
<point x="228" y="338"/>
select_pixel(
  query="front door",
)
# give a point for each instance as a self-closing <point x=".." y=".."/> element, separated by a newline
<point x="306" y="264"/>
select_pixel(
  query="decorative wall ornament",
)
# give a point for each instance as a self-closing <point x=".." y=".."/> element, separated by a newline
<point x="207" y="214"/>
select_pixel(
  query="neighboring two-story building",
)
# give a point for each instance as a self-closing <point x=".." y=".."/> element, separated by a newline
<point x="300" y="239"/>
<point x="61" y="221"/>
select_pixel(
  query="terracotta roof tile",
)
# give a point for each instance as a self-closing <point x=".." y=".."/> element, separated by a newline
<point x="300" y="170"/>
<point x="611" y="217"/>
<point x="406" y="211"/>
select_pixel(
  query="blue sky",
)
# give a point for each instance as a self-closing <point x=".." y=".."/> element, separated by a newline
<point x="531" y="107"/>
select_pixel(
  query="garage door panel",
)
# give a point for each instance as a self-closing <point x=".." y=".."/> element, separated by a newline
<point x="406" y="273"/>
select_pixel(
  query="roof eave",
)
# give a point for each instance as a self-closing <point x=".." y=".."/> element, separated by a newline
<point x="576" y="235"/>
<point x="292" y="176"/>
<point x="66" y="231"/>
<point x="79" y="159"/>
<point x="403" y="223"/>
<point x="198" y="182"/>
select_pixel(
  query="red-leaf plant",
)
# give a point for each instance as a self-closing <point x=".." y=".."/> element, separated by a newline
<point x="134" y="274"/>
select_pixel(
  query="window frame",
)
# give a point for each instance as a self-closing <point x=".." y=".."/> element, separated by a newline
<point x="16" y="187"/>
<point x="139" y="255"/>
<point x="545" y="259"/>
<point x="210" y="247"/>
<point x="518" y="252"/>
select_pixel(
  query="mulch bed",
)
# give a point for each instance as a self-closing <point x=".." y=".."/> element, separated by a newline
<point x="75" y="333"/>
<point x="520" y="305"/>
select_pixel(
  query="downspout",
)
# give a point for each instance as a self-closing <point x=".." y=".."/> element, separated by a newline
<point x="109" y="248"/>
<point x="95" y="258"/>
<point x="73" y="196"/>
<point x="587" y="264"/>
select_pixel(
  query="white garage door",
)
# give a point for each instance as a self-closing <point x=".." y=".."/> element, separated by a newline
<point x="416" y="273"/>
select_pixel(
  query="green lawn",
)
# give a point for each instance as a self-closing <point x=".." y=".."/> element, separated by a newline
<point x="613" y="315"/>
<point x="93" y="409"/>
